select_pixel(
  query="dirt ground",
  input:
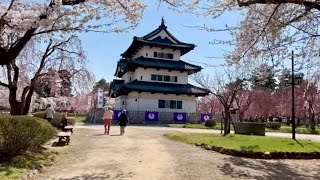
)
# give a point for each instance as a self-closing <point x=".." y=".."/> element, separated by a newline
<point x="143" y="153"/>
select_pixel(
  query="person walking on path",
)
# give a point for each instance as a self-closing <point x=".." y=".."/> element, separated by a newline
<point x="107" y="116"/>
<point x="49" y="113"/>
<point x="123" y="121"/>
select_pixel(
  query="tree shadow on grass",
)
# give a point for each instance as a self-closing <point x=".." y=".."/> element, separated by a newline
<point x="274" y="169"/>
<point x="100" y="176"/>
<point x="299" y="143"/>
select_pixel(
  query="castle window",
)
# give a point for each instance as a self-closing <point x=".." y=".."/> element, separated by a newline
<point x="122" y="102"/>
<point x="147" y="54"/>
<point x="167" y="78"/>
<point x="179" y="104"/>
<point x="163" y="55"/>
<point x="172" y="104"/>
<point x="141" y="77"/>
<point x="160" y="78"/>
<point x="161" y="104"/>
<point x="156" y="77"/>
<point x="153" y="77"/>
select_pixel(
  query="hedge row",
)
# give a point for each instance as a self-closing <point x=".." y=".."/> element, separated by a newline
<point x="19" y="134"/>
<point x="273" y="125"/>
<point x="210" y="123"/>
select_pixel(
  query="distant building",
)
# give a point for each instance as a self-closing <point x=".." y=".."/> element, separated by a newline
<point x="153" y="76"/>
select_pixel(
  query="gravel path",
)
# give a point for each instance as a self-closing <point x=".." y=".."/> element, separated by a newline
<point x="143" y="153"/>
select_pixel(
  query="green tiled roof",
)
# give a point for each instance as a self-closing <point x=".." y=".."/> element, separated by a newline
<point x="138" y="42"/>
<point x="159" y="87"/>
<point x="125" y="65"/>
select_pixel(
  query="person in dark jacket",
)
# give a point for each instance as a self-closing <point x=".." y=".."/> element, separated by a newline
<point x="123" y="121"/>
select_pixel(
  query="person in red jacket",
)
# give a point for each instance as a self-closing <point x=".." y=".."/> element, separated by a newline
<point x="107" y="116"/>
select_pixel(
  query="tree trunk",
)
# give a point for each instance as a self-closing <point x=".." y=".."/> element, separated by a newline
<point x="19" y="107"/>
<point x="28" y="102"/>
<point x="15" y="106"/>
<point x="241" y="114"/>
<point x="313" y="123"/>
<point x="226" y="121"/>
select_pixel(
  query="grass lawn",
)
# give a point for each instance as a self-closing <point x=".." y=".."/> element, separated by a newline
<point x="10" y="173"/>
<point x="21" y="164"/>
<point x="283" y="129"/>
<point x="247" y="143"/>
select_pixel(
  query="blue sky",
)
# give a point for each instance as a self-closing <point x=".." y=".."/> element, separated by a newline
<point x="104" y="49"/>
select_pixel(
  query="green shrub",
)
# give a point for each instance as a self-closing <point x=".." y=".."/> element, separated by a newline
<point x="273" y="125"/>
<point x="56" y="121"/>
<point x="210" y="123"/>
<point x="21" y="161"/>
<point x="19" y="134"/>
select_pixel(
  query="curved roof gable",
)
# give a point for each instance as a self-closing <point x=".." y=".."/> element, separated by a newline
<point x="159" y="37"/>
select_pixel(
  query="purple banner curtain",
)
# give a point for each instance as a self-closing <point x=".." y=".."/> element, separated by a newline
<point x="180" y="117"/>
<point x="205" y="117"/>
<point x="116" y="114"/>
<point x="151" y="116"/>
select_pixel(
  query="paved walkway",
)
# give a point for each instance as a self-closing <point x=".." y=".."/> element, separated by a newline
<point x="143" y="153"/>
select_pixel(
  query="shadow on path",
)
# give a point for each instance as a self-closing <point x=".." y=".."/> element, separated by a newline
<point x="269" y="169"/>
<point x="99" y="176"/>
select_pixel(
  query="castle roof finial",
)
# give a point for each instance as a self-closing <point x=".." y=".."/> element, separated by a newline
<point x="162" y="22"/>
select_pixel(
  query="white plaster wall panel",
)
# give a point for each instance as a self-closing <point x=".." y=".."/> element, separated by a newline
<point x="118" y="102"/>
<point x="163" y="34"/>
<point x="146" y="75"/>
<point x="126" y="77"/>
<point x="147" y="101"/>
<point x="150" y="51"/>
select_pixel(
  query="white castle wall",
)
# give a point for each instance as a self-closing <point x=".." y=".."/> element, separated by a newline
<point x="146" y="75"/>
<point x="148" y="52"/>
<point x="149" y="102"/>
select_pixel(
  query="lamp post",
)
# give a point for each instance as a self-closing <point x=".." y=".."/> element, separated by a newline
<point x="293" y="108"/>
<point x="295" y="80"/>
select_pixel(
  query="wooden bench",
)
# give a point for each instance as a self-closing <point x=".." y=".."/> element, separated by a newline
<point x="64" y="136"/>
<point x="68" y="129"/>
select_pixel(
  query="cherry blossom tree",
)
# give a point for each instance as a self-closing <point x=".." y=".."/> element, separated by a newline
<point x="267" y="28"/>
<point x="209" y="104"/>
<point x="262" y="104"/>
<point x="23" y="21"/>
<point x="56" y="55"/>
<point x="225" y="87"/>
<point x="311" y="97"/>
<point x="243" y="101"/>
<point x="20" y="20"/>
